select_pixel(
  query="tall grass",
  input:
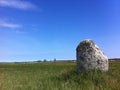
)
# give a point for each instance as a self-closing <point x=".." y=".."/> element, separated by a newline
<point x="57" y="76"/>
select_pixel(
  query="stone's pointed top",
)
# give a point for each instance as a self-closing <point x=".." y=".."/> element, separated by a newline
<point x="85" y="42"/>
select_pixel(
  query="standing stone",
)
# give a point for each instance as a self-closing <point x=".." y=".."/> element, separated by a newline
<point x="90" y="56"/>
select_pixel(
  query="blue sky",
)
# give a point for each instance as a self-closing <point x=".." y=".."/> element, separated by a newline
<point x="47" y="29"/>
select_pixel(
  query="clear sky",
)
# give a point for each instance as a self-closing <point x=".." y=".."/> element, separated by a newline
<point x="48" y="29"/>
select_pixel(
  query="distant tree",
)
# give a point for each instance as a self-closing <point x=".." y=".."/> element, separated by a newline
<point x="55" y="60"/>
<point x="44" y="60"/>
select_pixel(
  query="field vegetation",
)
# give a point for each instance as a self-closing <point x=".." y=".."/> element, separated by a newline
<point x="57" y="76"/>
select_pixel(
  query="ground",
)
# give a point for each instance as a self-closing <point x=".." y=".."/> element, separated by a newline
<point x="57" y="76"/>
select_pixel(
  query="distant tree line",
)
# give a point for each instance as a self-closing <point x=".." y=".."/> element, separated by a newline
<point x="45" y="60"/>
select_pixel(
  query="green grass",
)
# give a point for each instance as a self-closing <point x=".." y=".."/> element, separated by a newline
<point x="57" y="76"/>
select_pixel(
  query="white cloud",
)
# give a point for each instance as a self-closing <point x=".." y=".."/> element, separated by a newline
<point x="19" y="32"/>
<point x="9" y="25"/>
<point x="19" y="4"/>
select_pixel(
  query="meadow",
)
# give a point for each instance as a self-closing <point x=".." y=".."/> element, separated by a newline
<point x="57" y="76"/>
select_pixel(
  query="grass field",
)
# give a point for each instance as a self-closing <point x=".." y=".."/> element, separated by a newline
<point x="57" y="76"/>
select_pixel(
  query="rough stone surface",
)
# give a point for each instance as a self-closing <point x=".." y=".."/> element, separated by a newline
<point x="90" y="56"/>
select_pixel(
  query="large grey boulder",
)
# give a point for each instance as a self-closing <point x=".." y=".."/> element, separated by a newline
<point x="90" y="56"/>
